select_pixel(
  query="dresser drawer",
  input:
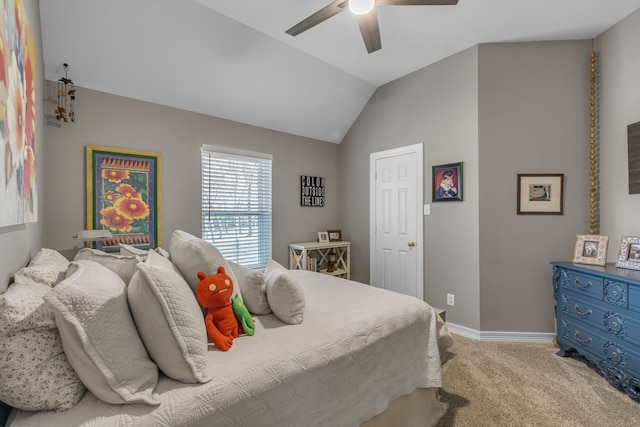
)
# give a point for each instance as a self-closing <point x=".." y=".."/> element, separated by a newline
<point x="600" y="318"/>
<point x="610" y="352"/>
<point x="583" y="284"/>
<point x="582" y="310"/>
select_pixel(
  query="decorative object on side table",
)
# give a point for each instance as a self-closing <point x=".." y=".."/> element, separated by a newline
<point x="591" y="249"/>
<point x="331" y="262"/>
<point x="447" y="182"/>
<point x="540" y="194"/>
<point x="629" y="253"/>
<point x="335" y="235"/>
<point x="323" y="237"/>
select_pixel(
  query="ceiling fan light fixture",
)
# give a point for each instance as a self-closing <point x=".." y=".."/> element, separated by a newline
<point x="361" y="7"/>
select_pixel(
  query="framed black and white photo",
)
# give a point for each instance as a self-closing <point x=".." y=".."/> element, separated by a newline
<point x="335" y="235"/>
<point x="540" y="194"/>
<point x="629" y="253"/>
<point x="323" y="237"/>
<point x="591" y="249"/>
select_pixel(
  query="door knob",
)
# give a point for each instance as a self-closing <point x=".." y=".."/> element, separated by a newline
<point x="411" y="243"/>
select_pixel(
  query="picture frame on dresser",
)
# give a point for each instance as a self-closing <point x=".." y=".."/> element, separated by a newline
<point x="591" y="249"/>
<point x="629" y="253"/>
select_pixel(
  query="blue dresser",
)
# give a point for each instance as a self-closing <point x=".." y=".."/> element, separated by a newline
<point x="598" y="317"/>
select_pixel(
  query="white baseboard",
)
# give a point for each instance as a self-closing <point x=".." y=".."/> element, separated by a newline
<point x="501" y="336"/>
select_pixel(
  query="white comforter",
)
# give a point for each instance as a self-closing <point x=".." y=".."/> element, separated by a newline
<point x="357" y="349"/>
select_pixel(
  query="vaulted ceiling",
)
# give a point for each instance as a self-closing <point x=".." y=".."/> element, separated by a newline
<point x="232" y="58"/>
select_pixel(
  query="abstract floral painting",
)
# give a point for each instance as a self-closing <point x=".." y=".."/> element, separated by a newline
<point x="123" y="196"/>
<point x="18" y="192"/>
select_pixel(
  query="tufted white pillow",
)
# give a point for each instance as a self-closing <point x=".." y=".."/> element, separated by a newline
<point x="100" y="337"/>
<point x="169" y="320"/>
<point x="253" y="287"/>
<point x="34" y="371"/>
<point x="47" y="267"/>
<point x="123" y="265"/>
<point x="192" y="254"/>
<point x="284" y="293"/>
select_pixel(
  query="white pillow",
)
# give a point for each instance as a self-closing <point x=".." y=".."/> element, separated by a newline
<point x="253" y="287"/>
<point x="169" y="320"/>
<point x="47" y="267"/>
<point x="35" y="373"/>
<point x="100" y="337"/>
<point x="192" y="255"/>
<point x="123" y="265"/>
<point x="132" y="250"/>
<point x="284" y="293"/>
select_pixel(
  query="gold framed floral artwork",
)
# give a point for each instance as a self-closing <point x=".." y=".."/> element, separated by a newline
<point x="123" y="196"/>
<point x="591" y="249"/>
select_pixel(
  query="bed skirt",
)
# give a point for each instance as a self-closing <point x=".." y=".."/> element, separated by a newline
<point x="422" y="408"/>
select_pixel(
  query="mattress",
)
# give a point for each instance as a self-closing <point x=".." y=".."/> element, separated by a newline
<point x="358" y="349"/>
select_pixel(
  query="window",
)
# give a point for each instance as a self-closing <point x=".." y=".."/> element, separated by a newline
<point x="236" y="204"/>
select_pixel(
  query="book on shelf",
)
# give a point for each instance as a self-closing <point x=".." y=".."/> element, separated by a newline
<point x="312" y="263"/>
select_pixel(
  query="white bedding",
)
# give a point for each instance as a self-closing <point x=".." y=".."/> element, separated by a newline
<point x="358" y="349"/>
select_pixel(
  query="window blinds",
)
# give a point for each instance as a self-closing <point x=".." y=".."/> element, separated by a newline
<point x="236" y="205"/>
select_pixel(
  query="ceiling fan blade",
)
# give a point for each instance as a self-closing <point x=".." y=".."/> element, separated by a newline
<point x="320" y="16"/>
<point x="370" y="30"/>
<point x="416" y="2"/>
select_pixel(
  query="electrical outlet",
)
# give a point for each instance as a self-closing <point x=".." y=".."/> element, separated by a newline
<point x="451" y="300"/>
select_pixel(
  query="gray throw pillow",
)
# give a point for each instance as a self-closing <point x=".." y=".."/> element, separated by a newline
<point x="253" y="286"/>
<point x="100" y="337"/>
<point x="284" y="293"/>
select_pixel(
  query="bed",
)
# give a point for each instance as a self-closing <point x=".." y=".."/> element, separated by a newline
<point x="359" y="353"/>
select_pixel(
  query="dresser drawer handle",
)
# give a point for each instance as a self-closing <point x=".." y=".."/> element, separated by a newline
<point x="614" y="293"/>
<point x="614" y="324"/>
<point x="578" y="285"/>
<point x="580" y="340"/>
<point x="614" y="355"/>
<point x="582" y="313"/>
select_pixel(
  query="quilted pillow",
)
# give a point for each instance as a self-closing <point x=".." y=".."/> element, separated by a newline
<point x="100" y="337"/>
<point x="253" y="287"/>
<point x="192" y="254"/>
<point x="47" y="267"/>
<point x="132" y="250"/>
<point x="284" y="293"/>
<point x="34" y="371"/>
<point x="123" y="265"/>
<point x="169" y="320"/>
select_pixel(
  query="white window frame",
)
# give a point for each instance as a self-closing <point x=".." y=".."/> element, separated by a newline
<point x="248" y="240"/>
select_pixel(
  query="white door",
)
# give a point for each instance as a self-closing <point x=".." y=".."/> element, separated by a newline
<point x="396" y="220"/>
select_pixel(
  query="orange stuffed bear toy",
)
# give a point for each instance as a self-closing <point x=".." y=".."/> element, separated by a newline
<point x="214" y="294"/>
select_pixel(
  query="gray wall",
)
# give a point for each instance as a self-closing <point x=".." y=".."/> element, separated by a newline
<point x="115" y="121"/>
<point x="502" y="109"/>
<point x="436" y="106"/>
<point x="21" y="242"/>
<point x="534" y="118"/>
<point x="619" y="55"/>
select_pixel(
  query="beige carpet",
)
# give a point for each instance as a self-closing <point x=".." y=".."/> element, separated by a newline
<point x="526" y="384"/>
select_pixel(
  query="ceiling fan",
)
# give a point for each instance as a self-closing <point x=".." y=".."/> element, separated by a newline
<point x="365" y="11"/>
